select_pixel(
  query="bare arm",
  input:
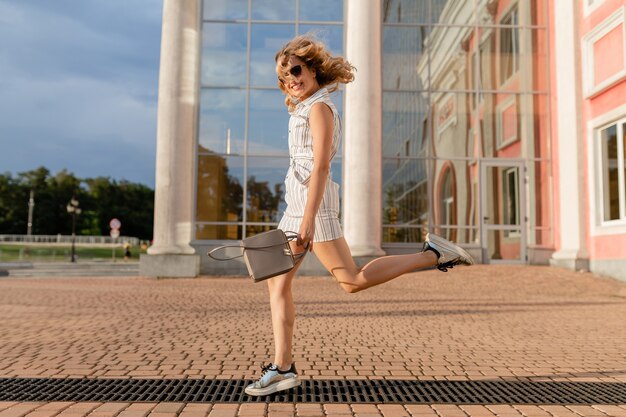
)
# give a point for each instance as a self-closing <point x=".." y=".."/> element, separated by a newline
<point x="322" y="126"/>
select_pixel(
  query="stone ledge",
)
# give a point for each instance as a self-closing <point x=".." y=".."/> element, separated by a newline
<point x="169" y="266"/>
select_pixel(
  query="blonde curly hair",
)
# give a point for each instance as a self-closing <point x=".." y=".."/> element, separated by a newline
<point x="329" y="70"/>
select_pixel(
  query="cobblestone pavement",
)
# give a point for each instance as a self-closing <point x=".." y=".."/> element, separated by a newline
<point x="503" y="323"/>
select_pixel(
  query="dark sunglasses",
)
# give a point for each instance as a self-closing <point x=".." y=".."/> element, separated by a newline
<point x="295" y="71"/>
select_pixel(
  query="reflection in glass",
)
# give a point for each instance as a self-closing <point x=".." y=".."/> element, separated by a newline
<point x="321" y="10"/>
<point x="406" y="11"/>
<point x="454" y="198"/>
<point x="509" y="46"/>
<point x="266" y="40"/>
<point x="220" y="188"/>
<point x="539" y="203"/>
<point x="266" y="190"/>
<point x="502" y="188"/>
<point x="232" y="231"/>
<point x="331" y="35"/>
<point x="451" y="125"/>
<point x="452" y="12"/>
<point x="222" y="121"/>
<point x="404" y="124"/>
<point x="405" y="199"/>
<point x="224" y="43"/>
<point x="274" y="10"/>
<point x="504" y="245"/>
<point x="450" y="51"/>
<point x="403" y="58"/>
<point x="269" y="123"/>
<point x="225" y="9"/>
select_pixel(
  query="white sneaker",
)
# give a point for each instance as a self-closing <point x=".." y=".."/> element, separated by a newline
<point x="274" y="380"/>
<point x="448" y="254"/>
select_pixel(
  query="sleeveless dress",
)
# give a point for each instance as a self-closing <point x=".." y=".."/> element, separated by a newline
<point x="327" y="225"/>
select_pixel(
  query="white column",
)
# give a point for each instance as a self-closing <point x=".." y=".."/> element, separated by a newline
<point x="572" y="252"/>
<point x="362" y="202"/>
<point x="176" y="128"/>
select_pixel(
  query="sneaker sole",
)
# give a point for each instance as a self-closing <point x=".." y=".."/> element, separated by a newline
<point x="279" y="386"/>
<point x="450" y="246"/>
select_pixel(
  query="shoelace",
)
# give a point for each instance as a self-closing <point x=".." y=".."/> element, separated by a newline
<point x="265" y="368"/>
<point x="449" y="265"/>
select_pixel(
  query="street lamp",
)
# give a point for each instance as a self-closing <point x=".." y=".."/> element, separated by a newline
<point x="74" y="210"/>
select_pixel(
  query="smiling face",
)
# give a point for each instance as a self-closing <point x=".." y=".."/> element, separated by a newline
<point x="299" y="81"/>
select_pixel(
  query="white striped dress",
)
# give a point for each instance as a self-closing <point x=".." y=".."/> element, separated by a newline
<point x="327" y="225"/>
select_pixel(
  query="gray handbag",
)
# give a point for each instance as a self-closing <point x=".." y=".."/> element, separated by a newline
<point x="266" y="255"/>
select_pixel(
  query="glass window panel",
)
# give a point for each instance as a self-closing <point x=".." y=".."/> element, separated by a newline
<point x="220" y="232"/>
<point x="274" y="10"/>
<point x="269" y="123"/>
<point x="514" y="59"/>
<point x="405" y="116"/>
<point x="503" y="195"/>
<point x="321" y="10"/>
<point x="224" y="48"/>
<point x="406" y="11"/>
<point x="266" y="189"/>
<point x="266" y="40"/>
<point x="458" y="235"/>
<point x="398" y="234"/>
<point x="452" y="124"/>
<point x="454" y="192"/>
<point x="225" y="9"/>
<point x="450" y="51"/>
<point x="509" y="120"/>
<point x="623" y="161"/>
<point x="504" y="245"/>
<point x="405" y="65"/>
<point x="528" y="13"/>
<point x="405" y="198"/>
<point x="220" y="188"/>
<point x="222" y="121"/>
<point x="451" y="12"/>
<point x="610" y="175"/>
<point x="331" y="35"/>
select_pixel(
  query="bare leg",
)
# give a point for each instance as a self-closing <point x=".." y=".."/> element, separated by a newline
<point x="337" y="259"/>
<point x="283" y="315"/>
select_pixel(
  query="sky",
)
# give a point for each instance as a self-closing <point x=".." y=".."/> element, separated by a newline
<point x="78" y="87"/>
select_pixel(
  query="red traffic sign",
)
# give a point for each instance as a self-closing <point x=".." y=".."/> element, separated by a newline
<point x="115" y="224"/>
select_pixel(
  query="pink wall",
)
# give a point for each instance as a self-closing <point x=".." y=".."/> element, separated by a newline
<point x="608" y="60"/>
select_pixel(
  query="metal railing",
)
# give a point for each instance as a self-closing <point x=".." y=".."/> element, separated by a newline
<point x="67" y="239"/>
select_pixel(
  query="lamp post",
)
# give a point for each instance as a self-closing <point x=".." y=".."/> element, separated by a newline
<point x="74" y="210"/>
<point x="31" y="206"/>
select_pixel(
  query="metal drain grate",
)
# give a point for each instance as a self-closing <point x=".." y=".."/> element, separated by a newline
<point x="316" y="391"/>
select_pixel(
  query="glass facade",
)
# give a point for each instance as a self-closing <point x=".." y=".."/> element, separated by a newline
<point x="465" y="119"/>
<point x="465" y="124"/>
<point x="242" y="153"/>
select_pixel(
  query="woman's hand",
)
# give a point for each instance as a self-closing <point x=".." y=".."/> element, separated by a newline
<point x="306" y="233"/>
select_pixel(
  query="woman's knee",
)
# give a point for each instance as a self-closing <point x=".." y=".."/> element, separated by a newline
<point x="350" y="288"/>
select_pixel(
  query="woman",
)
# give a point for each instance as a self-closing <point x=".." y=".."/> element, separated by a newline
<point x="306" y="74"/>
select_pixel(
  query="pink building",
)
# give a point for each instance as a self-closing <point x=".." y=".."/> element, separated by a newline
<point x="588" y="129"/>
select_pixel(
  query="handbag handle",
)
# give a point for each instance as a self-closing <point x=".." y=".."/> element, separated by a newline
<point x="289" y="235"/>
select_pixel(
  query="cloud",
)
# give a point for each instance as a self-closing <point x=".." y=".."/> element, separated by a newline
<point x="79" y="86"/>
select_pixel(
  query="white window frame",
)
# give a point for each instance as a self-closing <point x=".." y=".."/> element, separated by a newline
<point x="513" y="8"/>
<point x="590" y="8"/>
<point x="500" y="109"/>
<point x="596" y="187"/>
<point x="597" y="33"/>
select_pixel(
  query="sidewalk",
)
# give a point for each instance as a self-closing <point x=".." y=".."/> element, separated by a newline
<point x="503" y="324"/>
